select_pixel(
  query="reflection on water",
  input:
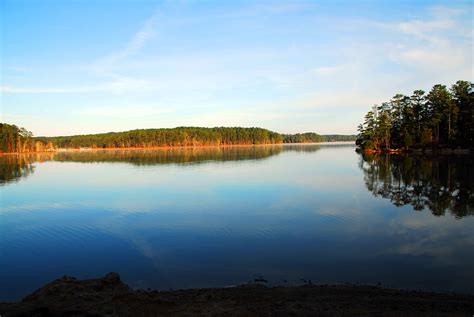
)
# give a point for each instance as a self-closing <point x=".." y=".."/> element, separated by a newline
<point x="213" y="217"/>
<point x="440" y="183"/>
<point x="170" y="156"/>
<point x="14" y="167"/>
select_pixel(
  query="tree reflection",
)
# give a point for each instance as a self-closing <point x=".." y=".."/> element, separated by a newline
<point x="439" y="183"/>
<point x="170" y="155"/>
<point x="15" y="167"/>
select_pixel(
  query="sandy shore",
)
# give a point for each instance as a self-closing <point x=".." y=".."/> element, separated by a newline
<point x="108" y="296"/>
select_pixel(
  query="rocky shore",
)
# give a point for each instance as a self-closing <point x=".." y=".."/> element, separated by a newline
<point x="419" y="151"/>
<point x="109" y="296"/>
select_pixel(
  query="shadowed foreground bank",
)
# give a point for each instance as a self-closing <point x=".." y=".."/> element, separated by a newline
<point x="108" y="296"/>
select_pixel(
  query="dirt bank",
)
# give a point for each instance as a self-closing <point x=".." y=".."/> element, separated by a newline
<point x="108" y="296"/>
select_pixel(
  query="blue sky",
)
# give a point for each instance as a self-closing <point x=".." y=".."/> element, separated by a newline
<point x="70" y="67"/>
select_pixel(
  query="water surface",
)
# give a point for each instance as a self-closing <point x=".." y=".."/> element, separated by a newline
<point x="213" y="217"/>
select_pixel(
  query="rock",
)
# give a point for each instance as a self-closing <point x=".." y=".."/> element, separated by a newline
<point x="109" y="296"/>
<point x="112" y="278"/>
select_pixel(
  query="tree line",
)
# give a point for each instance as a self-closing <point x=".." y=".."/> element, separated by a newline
<point x="14" y="139"/>
<point x="440" y="118"/>
<point x="181" y="136"/>
<point x="311" y="137"/>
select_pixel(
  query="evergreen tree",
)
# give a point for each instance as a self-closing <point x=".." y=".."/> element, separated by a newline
<point x="440" y="118"/>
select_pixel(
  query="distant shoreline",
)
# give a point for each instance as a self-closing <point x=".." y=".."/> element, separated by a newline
<point x="170" y="147"/>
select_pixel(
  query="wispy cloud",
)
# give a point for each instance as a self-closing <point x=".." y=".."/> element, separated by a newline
<point x="110" y="81"/>
<point x="260" y="9"/>
<point x="446" y="58"/>
<point x="136" y="43"/>
<point x="275" y="64"/>
<point x="30" y="90"/>
<point x="440" y="45"/>
<point x="118" y="85"/>
<point x="327" y="70"/>
<point x="134" y="111"/>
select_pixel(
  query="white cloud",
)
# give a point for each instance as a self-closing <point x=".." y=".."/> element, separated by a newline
<point x="424" y="29"/>
<point x="121" y="112"/>
<point x="304" y="85"/>
<point x="399" y="56"/>
<point x="265" y="9"/>
<point x="135" y="44"/>
<point x="448" y="12"/>
<point x="118" y="85"/>
<point x="436" y="48"/>
<point x="30" y="90"/>
<point x="441" y="58"/>
<point x="328" y="70"/>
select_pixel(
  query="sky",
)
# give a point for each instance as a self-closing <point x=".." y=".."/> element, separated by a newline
<point x="90" y="66"/>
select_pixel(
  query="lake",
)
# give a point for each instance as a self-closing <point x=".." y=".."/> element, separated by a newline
<point x="214" y="217"/>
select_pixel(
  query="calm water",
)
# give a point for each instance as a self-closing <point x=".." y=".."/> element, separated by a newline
<point x="216" y="217"/>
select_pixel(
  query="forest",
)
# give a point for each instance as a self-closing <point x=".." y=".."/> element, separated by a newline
<point x="181" y="136"/>
<point x="441" y="118"/>
<point x="311" y="137"/>
<point x="14" y="139"/>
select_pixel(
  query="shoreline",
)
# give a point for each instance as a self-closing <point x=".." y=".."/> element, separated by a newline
<point x="428" y="151"/>
<point x="169" y="147"/>
<point x="109" y="296"/>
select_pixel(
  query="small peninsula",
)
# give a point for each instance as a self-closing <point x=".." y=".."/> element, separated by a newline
<point x="441" y="120"/>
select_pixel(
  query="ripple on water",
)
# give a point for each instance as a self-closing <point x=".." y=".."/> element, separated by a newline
<point x="337" y="215"/>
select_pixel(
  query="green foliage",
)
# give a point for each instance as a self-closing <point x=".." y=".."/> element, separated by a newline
<point x="187" y="136"/>
<point x="182" y="136"/>
<point x="15" y="139"/>
<point x="311" y="137"/>
<point x="338" y="137"/>
<point x="443" y="117"/>
<point x="308" y="137"/>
